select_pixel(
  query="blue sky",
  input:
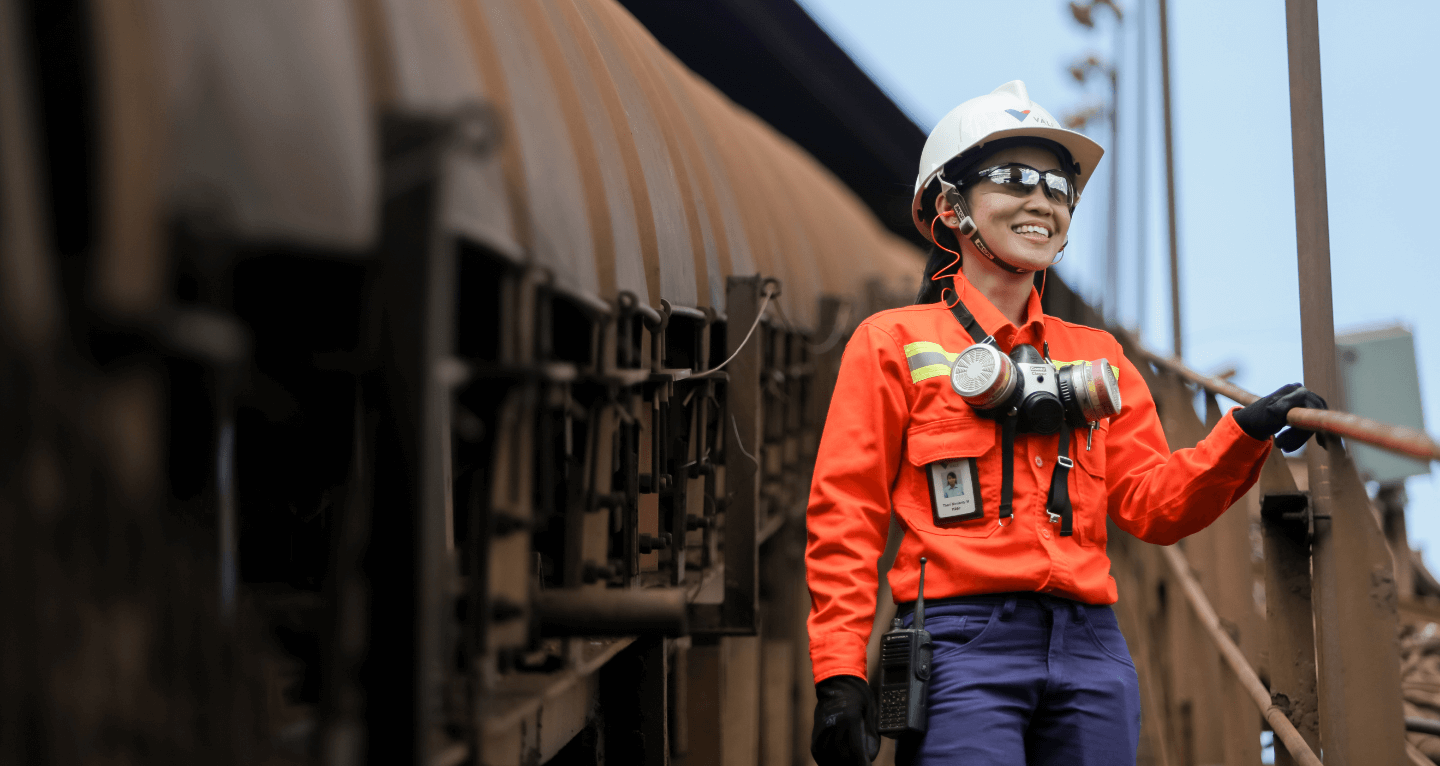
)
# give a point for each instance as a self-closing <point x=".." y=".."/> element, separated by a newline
<point x="1235" y="191"/>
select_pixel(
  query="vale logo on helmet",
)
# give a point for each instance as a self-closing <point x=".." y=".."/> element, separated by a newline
<point x="1017" y="114"/>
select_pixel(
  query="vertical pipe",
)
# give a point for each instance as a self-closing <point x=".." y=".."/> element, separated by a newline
<point x="742" y="450"/>
<point x="407" y="612"/>
<point x="1112" y="243"/>
<point x="27" y="288"/>
<point x="1361" y="720"/>
<point x="1142" y="167"/>
<point x="1170" y="181"/>
<point x="225" y="489"/>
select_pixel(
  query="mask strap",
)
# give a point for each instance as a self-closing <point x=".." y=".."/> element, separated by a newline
<point x="1008" y="426"/>
<point x="967" y="320"/>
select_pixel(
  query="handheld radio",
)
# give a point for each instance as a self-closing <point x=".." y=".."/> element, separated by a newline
<point x="905" y="673"/>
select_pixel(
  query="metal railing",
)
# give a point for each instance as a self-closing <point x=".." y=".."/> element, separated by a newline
<point x="1400" y="439"/>
<point x="1410" y="442"/>
<point x="1230" y="652"/>
<point x="1405" y="441"/>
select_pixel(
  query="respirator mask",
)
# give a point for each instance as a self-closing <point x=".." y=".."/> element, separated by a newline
<point x="1029" y="387"/>
<point x="1026" y="393"/>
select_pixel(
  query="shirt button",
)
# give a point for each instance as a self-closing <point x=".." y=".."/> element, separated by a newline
<point x="1040" y="462"/>
<point x="1045" y="533"/>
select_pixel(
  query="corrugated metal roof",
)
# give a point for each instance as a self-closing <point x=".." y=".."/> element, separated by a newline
<point x="620" y="169"/>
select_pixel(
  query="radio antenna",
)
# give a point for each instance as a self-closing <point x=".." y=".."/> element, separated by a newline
<point x="920" y="599"/>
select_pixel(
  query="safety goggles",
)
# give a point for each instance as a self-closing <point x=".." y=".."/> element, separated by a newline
<point x="1020" y="181"/>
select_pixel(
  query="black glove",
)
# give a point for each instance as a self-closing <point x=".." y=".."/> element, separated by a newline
<point x="1266" y="416"/>
<point x="846" y="728"/>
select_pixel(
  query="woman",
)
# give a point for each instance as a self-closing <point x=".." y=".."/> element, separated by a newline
<point x="1029" y="665"/>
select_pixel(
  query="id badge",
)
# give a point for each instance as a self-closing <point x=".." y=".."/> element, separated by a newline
<point x="954" y="492"/>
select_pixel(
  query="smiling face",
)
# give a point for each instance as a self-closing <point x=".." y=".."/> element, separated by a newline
<point x="1025" y="231"/>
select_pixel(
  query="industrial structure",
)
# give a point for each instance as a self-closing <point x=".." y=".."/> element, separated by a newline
<point x="438" y="382"/>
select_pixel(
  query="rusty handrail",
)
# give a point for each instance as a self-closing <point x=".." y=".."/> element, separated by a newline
<point x="1410" y="442"/>
<point x="1284" y="730"/>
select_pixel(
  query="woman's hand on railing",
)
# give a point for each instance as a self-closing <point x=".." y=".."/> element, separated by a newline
<point x="1264" y="417"/>
<point x="1401" y="440"/>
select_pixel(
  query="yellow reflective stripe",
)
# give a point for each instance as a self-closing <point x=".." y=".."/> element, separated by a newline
<point x="919" y="353"/>
<point x="929" y="371"/>
<point x="922" y="346"/>
<point x="1116" y="370"/>
<point x="925" y="360"/>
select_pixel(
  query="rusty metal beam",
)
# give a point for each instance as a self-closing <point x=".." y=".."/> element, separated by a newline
<point x="1288" y="610"/>
<point x="611" y="612"/>
<point x="28" y="290"/>
<point x="1361" y="720"/>
<point x="416" y="302"/>
<point x="742" y="449"/>
<point x="1406" y="441"/>
<point x="1284" y="730"/>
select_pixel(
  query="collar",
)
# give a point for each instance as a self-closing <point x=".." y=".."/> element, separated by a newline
<point x="993" y="322"/>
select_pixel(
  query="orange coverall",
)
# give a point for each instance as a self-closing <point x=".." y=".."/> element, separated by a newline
<point x="894" y="412"/>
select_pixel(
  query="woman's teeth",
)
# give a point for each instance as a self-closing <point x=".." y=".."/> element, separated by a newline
<point x="1031" y="229"/>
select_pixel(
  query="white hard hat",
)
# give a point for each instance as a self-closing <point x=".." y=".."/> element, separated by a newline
<point x="1007" y="112"/>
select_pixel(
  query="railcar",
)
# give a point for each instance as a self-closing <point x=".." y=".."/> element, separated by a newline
<point x="412" y="381"/>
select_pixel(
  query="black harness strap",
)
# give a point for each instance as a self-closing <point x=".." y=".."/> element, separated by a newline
<point x="1008" y="422"/>
<point x="1058" y="503"/>
<point x="1007" y="466"/>
<point x="967" y="320"/>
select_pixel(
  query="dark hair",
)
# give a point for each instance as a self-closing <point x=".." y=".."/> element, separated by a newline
<point x="950" y="475"/>
<point x="931" y="289"/>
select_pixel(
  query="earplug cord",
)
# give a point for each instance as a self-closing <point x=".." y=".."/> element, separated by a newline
<point x="941" y="273"/>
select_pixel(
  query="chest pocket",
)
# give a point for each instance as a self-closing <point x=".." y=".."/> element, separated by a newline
<point x="1090" y="499"/>
<point x="966" y="436"/>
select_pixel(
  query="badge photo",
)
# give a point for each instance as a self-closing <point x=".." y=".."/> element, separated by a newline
<point x="954" y="493"/>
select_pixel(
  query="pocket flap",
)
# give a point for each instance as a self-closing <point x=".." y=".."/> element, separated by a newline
<point x="950" y="438"/>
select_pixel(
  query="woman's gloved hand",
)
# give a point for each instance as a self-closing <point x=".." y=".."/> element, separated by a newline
<point x="1266" y="416"/>
<point x="846" y="727"/>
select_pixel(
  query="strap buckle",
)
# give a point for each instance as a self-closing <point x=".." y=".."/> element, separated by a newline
<point x="1065" y="462"/>
<point x="1054" y="517"/>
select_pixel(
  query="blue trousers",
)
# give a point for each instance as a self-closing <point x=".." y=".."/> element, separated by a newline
<point x="1027" y="679"/>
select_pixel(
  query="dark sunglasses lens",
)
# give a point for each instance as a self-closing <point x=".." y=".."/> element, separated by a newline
<point x="1059" y="188"/>
<point x="1014" y="180"/>
<point x="1021" y="180"/>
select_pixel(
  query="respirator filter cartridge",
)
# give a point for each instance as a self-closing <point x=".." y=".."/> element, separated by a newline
<point x="1089" y="390"/>
<point x="983" y="376"/>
